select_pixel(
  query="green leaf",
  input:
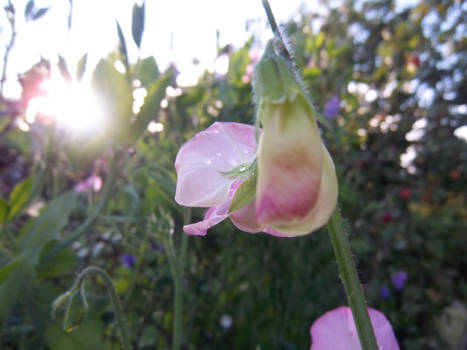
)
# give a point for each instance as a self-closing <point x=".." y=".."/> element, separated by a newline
<point x="137" y="23"/>
<point x="151" y="106"/>
<point x="81" y="67"/>
<point x="11" y="286"/>
<point x="244" y="194"/>
<point x="148" y="71"/>
<point x="320" y="39"/>
<point x="3" y="210"/>
<point x="38" y="232"/>
<point x="122" y="45"/>
<point x="115" y="91"/>
<point x="6" y="270"/>
<point x="19" y="197"/>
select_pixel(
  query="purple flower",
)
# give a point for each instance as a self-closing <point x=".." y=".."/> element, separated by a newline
<point x="331" y="108"/>
<point x="335" y="330"/>
<point x="384" y="292"/>
<point x="128" y="260"/>
<point x="399" y="279"/>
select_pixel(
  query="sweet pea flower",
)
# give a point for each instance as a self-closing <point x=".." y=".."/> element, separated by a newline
<point x="336" y="330"/>
<point x="399" y="279"/>
<point x="201" y="164"/>
<point x="297" y="188"/>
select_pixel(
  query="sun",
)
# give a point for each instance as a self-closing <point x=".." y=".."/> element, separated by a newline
<point x="72" y="106"/>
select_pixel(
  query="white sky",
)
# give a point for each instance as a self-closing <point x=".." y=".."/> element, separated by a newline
<point x="191" y="23"/>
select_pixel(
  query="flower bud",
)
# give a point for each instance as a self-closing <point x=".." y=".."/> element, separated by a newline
<point x="296" y="186"/>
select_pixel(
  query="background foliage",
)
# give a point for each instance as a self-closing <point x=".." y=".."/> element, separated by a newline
<point x="398" y="77"/>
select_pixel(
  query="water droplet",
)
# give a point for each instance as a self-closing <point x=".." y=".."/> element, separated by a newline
<point x="233" y="162"/>
<point x="216" y="131"/>
<point x="219" y="154"/>
<point x="207" y="161"/>
<point x="246" y="151"/>
<point x="242" y="168"/>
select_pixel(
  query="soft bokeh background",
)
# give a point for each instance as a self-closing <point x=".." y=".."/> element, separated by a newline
<point x="88" y="136"/>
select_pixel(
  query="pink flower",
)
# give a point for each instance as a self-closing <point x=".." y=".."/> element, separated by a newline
<point x="93" y="182"/>
<point x="201" y="164"/>
<point x="335" y="330"/>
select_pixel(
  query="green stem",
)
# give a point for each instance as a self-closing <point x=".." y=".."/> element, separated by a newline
<point x="277" y="33"/>
<point x="349" y="277"/>
<point x="178" y="285"/>
<point x="120" y="318"/>
<point x="107" y="193"/>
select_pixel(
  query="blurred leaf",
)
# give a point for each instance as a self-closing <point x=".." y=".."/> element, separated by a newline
<point x="58" y="265"/>
<point x="3" y="210"/>
<point x="238" y="63"/>
<point x="64" y="69"/>
<point x="11" y="285"/>
<point x="118" y="99"/>
<point x="148" y="71"/>
<point x="151" y="106"/>
<point x="19" y="196"/>
<point x="244" y="194"/>
<point x="6" y="270"/>
<point x="39" y="13"/>
<point x="137" y="23"/>
<point x="38" y="232"/>
<point x="81" y="67"/>
<point x="122" y="45"/>
<point x="320" y="40"/>
<point x="28" y="9"/>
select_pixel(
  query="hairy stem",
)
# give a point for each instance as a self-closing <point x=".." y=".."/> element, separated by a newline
<point x="120" y="318"/>
<point x="349" y="276"/>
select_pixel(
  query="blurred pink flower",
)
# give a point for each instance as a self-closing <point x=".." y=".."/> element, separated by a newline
<point x="93" y="182"/>
<point x="200" y="182"/>
<point x="335" y="330"/>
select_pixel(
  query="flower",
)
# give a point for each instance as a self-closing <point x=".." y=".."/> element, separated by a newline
<point x="384" y="292"/>
<point x="128" y="260"/>
<point x="297" y="188"/>
<point x="201" y="165"/>
<point x="399" y="279"/>
<point x="335" y="330"/>
<point x="331" y="108"/>
<point x="93" y="182"/>
<point x="404" y="193"/>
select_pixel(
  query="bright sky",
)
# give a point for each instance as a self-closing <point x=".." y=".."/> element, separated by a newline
<point x="190" y="25"/>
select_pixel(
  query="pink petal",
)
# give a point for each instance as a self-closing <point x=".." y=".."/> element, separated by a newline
<point x="335" y="330"/>
<point x="221" y="147"/>
<point x="325" y="204"/>
<point x="213" y="216"/>
<point x="289" y="164"/>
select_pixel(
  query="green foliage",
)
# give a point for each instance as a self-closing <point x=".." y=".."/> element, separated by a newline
<point x="383" y="65"/>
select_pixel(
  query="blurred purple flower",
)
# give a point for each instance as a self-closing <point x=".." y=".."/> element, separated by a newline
<point x="384" y="292"/>
<point x="399" y="279"/>
<point x="128" y="260"/>
<point x="331" y="108"/>
<point x="93" y="182"/>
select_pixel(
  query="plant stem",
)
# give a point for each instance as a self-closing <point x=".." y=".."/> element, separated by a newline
<point x="349" y="276"/>
<point x="178" y="285"/>
<point x="277" y="33"/>
<point x="120" y="318"/>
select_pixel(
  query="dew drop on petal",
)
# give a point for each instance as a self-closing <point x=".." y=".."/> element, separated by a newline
<point x="219" y="154"/>
<point x="207" y="161"/>
<point x="233" y="162"/>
